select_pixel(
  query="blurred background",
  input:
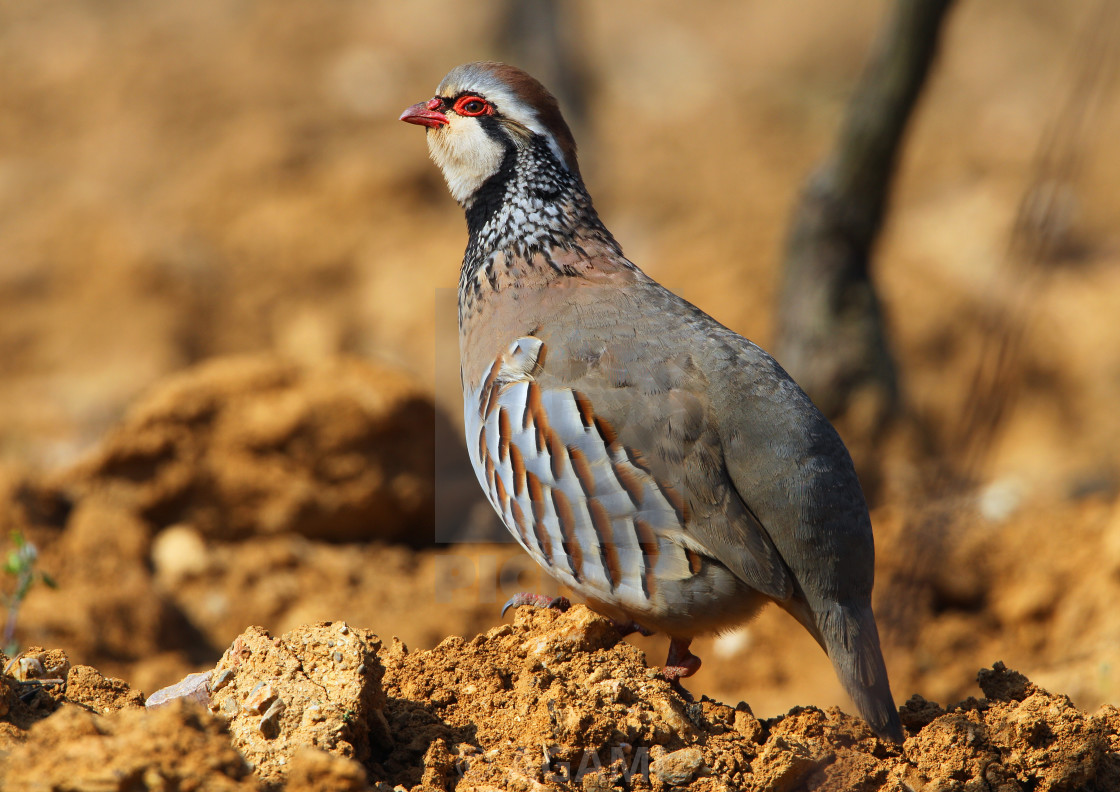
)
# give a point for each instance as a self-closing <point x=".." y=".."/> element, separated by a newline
<point x="229" y="390"/>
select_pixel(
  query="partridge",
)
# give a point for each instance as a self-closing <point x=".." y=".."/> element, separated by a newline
<point x="664" y="468"/>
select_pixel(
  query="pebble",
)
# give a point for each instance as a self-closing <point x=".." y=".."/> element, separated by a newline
<point x="270" y="722"/>
<point x="179" y="552"/>
<point x="193" y="687"/>
<point x="222" y="679"/>
<point x="260" y="697"/>
<point x="678" y="767"/>
<point x="672" y="718"/>
<point x="29" y="667"/>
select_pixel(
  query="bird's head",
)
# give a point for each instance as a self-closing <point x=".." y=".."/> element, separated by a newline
<point x="480" y="113"/>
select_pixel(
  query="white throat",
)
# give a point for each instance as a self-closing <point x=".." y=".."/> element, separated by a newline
<point x="466" y="156"/>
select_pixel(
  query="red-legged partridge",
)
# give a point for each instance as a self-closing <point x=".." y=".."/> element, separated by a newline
<point x="663" y="467"/>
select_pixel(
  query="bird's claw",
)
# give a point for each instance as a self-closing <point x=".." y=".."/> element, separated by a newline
<point x="536" y="601"/>
<point x="679" y="664"/>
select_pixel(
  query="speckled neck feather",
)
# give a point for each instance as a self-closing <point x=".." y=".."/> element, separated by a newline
<point x="531" y="208"/>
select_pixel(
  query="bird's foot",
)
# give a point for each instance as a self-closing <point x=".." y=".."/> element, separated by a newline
<point x="679" y="664"/>
<point x="537" y="601"/>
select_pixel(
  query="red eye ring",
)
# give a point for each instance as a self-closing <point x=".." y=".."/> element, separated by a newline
<point x="473" y="106"/>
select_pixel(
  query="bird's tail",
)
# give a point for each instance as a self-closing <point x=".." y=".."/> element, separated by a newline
<point x="851" y="640"/>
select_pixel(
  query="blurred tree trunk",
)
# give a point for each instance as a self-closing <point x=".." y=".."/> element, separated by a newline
<point x="830" y="333"/>
<point x="540" y="37"/>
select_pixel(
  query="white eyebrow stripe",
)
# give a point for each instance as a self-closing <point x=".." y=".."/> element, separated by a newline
<point x="505" y="102"/>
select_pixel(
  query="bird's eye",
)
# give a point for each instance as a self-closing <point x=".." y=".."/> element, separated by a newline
<point x="473" y="106"/>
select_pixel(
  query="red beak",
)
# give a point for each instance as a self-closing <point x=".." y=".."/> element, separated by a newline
<point x="425" y="114"/>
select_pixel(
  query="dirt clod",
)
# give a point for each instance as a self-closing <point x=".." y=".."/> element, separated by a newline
<point x="87" y="687"/>
<point x="256" y="445"/>
<point x="175" y="747"/>
<point x="315" y="770"/>
<point x="316" y="686"/>
<point x="554" y="700"/>
<point x="1000" y="683"/>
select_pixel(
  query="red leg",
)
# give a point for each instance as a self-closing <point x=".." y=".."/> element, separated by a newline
<point x="681" y="663"/>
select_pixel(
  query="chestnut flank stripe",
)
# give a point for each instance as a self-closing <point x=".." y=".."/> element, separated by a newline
<point x="500" y="490"/>
<point x="567" y="521"/>
<point x="518" y="465"/>
<point x="647" y="540"/>
<point x="608" y="435"/>
<point x="638" y="460"/>
<point x="489" y="390"/>
<point x="519" y="519"/>
<point x="503" y="434"/>
<point x="583" y="404"/>
<point x="628" y="479"/>
<point x="608" y="550"/>
<point x="583" y="470"/>
<point x="557" y="454"/>
<point x="536" y="497"/>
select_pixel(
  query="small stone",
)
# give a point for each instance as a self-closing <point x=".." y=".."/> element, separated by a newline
<point x="270" y="721"/>
<point x="260" y="697"/>
<point x="29" y="667"/>
<point x="785" y="764"/>
<point x="178" y="552"/>
<point x="667" y="711"/>
<point x="612" y="689"/>
<point x="193" y="687"/>
<point x="221" y="680"/>
<point x="678" y="767"/>
<point x="598" y="675"/>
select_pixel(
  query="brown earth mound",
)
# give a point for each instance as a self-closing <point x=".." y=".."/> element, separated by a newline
<point x="226" y="183"/>
<point x="152" y="584"/>
<point x="555" y="700"/>
<point x="245" y="490"/>
<point x="248" y="446"/>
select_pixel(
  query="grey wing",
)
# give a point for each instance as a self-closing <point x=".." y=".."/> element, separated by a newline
<point x="637" y="409"/>
<point x="787" y="461"/>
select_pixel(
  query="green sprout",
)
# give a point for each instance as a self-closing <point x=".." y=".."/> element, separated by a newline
<point x="21" y="566"/>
